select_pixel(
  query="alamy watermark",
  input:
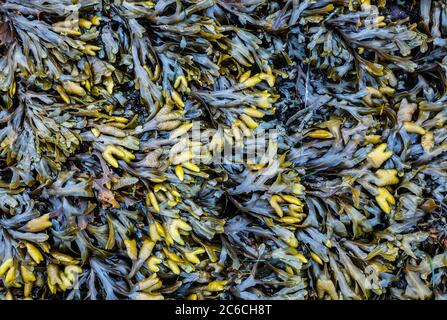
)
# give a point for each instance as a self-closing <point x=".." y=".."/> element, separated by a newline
<point x="227" y="145"/>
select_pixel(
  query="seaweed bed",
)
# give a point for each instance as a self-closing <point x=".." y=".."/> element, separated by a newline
<point x="107" y="192"/>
